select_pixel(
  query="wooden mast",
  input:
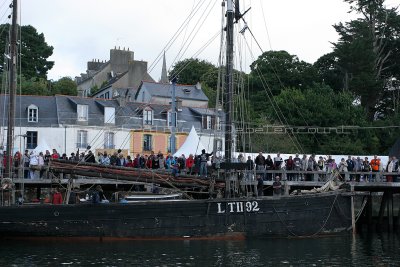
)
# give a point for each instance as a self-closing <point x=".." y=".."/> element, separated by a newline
<point x="12" y="91"/>
<point x="229" y="84"/>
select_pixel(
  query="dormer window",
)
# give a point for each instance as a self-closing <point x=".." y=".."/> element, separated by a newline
<point x="148" y="116"/>
<point x="219" y="123"/>
<point x="83" y="112"/>
<point x="169" y="118"/>
<point x="109" y="115"/>
<point x="208" y="122"/>
<point x="33" y="113"/>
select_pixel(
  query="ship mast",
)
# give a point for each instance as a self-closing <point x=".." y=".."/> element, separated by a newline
<point x="229" y="83"/>
<point x="12" y="91"/>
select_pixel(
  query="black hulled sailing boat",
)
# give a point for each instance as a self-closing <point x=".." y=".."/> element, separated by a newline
<point x="223" y="218"/>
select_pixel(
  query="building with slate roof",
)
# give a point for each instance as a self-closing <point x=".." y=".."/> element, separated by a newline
<point x="68" y="123"/>
<point x="160" y="93"/>
<point x="120" y="71"/>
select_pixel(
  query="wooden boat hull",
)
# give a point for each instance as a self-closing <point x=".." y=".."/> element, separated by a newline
<point x="287" y="216"/>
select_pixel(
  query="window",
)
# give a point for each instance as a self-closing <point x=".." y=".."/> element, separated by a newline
<point x="109" y="140"/>
<point x="209" y="125"/>
<point x="109" y="115"/>
<point x="31" y="140"/>
<point x="82" y="111"/>
<point x="33" y="113"/>
<point x="208" y="122"/>
<point x="219" y="123"/>
<point x="218" y="144"/>
<point x="169" y="143"/>
<point x="148" y="117"/>
<point x="147" y="142"/>
<point x="82" y="139"/>
<point x="107" y="95"/>
<point x="169" y="118"/>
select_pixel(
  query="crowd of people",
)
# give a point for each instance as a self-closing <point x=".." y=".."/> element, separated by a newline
<point x="32" y="162"/>
<point x="347" y="167"/>
<point x="198" y="164"/>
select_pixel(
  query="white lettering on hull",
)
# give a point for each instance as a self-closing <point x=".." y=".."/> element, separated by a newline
<point x="237" y="207"/>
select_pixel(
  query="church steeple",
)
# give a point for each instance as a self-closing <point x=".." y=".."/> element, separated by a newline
<point x="164" y="76"/>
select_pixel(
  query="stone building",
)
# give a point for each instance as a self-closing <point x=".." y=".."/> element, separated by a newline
<point x="120" y="71"/>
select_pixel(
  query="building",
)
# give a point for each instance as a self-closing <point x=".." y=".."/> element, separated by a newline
<point x="69" y="123"/>
<point x="120" y="71"/>
<point x="160" y="93"/>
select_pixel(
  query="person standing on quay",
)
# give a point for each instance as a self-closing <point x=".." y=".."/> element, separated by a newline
<point x="375" y="166"/>
<point x="260" y="164"/>
<point x="203" y="162"/>
<point x="277" y="187"/>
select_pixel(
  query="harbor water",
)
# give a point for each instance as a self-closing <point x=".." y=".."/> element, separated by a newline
<point x="374" y="250"/>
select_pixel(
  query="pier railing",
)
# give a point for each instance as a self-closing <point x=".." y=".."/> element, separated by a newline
<point x="42" y="172"/>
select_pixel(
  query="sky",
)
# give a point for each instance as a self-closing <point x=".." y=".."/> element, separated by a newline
<point x="81" y="30"/>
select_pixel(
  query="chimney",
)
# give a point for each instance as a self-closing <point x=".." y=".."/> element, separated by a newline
<point x="198" y="86"/>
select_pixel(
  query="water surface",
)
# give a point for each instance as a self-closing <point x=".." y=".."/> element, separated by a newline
<point x="383" y="250"/>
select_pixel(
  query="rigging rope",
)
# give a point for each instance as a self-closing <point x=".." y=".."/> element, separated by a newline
<point x="274" y="104"/>
<point x="318" y="231"/>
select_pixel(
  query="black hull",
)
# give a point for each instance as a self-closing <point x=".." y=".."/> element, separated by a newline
<point x="289" y="216"/>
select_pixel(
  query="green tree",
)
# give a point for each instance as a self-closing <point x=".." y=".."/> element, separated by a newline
<point x="278" y="70"/>
<point x="34" y="86"/>
<point x="315" y="106"/>
<point x="367" y="50"/>
<point x="330" y="72"/>
<point x="64" y="86"/>
<point x="34" y="51"/>
<point x="193" y="70"/>
<point x="274" y="71"/>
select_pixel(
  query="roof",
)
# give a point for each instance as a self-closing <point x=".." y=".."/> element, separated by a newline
<point x="181" y="91"/>
<point x="62" y="110"/>
<point x="204" y="111"/>
<point x="46" y="110"/>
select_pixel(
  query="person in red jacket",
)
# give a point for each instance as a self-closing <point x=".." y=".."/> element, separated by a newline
<point x="57" y="197"/>
<point x="189" y="164"/>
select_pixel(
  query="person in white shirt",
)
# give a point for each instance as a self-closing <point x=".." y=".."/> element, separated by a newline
<point x="33" y="163"/>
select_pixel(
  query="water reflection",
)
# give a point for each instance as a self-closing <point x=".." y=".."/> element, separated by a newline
<point x="383" y="250"/>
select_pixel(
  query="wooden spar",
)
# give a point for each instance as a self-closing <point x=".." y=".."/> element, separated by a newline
<point x="129" y="174"/>
<point x="12" y="92"/>
<point x="229" y="83"/>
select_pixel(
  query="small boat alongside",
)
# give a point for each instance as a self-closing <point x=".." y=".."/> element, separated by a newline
<point x="149" y="196"/>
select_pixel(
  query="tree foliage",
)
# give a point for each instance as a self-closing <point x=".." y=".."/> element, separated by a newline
<point x="64" y="86"/>
<point x="278" y="70"/>
<point x="34" y="86"/>
<point x="321" y="107"/>
<point x="365" y="55"/>
<point x="34" y="51"/>
<point x="192" y="71"/>
<point x="274" y="71"/>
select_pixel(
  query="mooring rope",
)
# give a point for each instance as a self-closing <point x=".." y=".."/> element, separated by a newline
<point x="319" y="230"/>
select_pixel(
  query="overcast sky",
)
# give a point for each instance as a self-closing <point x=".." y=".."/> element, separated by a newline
<point x="81" y="30"/>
